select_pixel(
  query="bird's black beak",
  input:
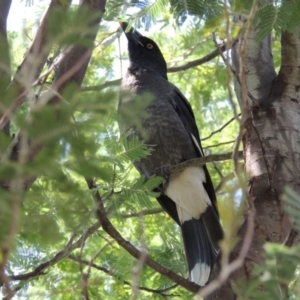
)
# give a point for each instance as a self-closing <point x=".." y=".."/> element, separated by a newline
<point x="132" y="35"/>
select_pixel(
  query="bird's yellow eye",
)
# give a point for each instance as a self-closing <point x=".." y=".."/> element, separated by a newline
<point x="149" y="46"/>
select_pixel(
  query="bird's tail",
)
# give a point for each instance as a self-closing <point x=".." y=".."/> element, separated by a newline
<point x="201" y="245"/>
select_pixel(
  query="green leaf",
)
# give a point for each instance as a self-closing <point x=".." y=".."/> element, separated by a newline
<point x="292" y="207"/>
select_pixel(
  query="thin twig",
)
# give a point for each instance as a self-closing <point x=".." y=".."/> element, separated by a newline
<point x="229" y="70"/>
<point x="41" y="269"/>
<point x="219" y="144"/>
<point x="184" y="67"/>
<point x="145" y="212"/>
<point x="188" y="65"/>
<point x="138" y="268"/>
<point x="220" y="129"/>
<point x="223" y="181"/>
<point x="125" y="282"/>
<point x="85" y="292"/>
<point x="100" y="87"/>
<point x="85" y="276"/>
<point x="217" y="169"/>
<point x="109" y="243"/>
<point x="200" y="61"/>
<point x="200" y="161"/>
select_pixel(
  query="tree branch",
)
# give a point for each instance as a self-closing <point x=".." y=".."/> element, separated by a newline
<point x="199" y="61"/>
<point x="65" y="252"/>
<point x="200" y="161"/>
<point x="32" y="63"/>
<point x="145" y="212"/>
<point x="140" y="263"/>
<point x="219" y="144"/>
<point x="112" y="231"/>
<point x="223" y="181"/>
<point x="85" y="276"/>
<point x="184" y="67"/>
<point x="220" y="129"/>
<point x="100" y="87"/>
<point x="125" y="282"/>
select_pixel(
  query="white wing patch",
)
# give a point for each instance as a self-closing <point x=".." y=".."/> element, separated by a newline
<point x="200" y="274"/>
<point x="187" y="191"/>
<point x="183" y="214"/>
<point x="197" y="145"/>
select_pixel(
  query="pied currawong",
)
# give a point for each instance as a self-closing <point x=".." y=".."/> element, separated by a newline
<point x="168" y="126"/>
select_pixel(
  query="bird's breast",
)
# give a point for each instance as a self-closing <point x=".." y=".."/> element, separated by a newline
<point x="158" y="125"/>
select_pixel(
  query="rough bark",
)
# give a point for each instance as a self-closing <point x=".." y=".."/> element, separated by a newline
<point x="271" y="143"/>
<point x="71" y="69"/>
<point x="31" y="66"/>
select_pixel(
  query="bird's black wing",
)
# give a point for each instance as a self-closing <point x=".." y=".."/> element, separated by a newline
<point x="200" y="236"/>
<point x="185" y="113"/>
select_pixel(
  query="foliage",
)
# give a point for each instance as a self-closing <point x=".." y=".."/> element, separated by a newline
<point x="293" y="206"/>
<point x="280" y="16"/>
<point x="180" y="9"/>
<point x="85" y="143"/>
<point x="271" y="15"/>
<point x="276" y="276"/>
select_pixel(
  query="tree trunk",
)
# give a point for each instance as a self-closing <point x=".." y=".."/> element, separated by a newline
<point x="271" y="140"/>
<point x="23" y="149"/>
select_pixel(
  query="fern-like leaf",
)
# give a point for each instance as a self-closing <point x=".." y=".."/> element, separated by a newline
<point x="134" y="150"/>
<point x="277" y="17"/>
<point x="140" y="191"/>
<point x="181" y="9"/>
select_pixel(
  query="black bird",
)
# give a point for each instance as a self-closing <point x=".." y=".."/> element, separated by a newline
<point x="169" y="127"/>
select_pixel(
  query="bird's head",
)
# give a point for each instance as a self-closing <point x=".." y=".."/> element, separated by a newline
<point x="143" y="51"/>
